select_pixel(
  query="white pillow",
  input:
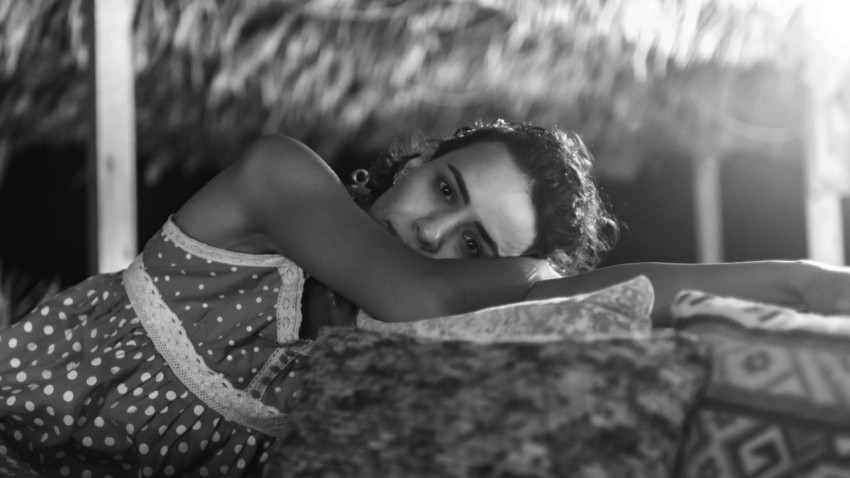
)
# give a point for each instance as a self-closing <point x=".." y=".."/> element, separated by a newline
<point x="620" y="310"/>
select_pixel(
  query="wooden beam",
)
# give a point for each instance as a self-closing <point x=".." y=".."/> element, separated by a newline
<point x="113" y="142"/>
<point x="708" y="211"/>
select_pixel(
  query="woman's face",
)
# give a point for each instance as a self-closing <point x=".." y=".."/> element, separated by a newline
<point x="473" y="202"/>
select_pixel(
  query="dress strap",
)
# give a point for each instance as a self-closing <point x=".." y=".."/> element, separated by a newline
<point x="172" y="232"/>
<point x="171" y="341"/>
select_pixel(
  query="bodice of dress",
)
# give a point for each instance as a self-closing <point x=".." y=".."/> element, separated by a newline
<point x="226" y="322"/>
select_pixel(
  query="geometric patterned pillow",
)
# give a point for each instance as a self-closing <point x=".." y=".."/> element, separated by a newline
<point x="388" y="405"/>
<point x="778" y="403"/>
<point x="619" y="310"/>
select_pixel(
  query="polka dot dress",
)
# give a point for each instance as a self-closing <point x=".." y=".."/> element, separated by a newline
<point x="184" y="365"/>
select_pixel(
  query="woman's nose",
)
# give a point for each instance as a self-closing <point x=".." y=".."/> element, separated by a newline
<point x="432" y="230"/>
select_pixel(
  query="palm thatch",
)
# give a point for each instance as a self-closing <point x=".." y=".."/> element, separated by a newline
<point x="348" y="76"/>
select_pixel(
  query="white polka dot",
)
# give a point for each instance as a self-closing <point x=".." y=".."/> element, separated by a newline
<point x="114" y="370"/>
<point x="144" y="449"/>
<point x="137" y="392"/>
<point x="147" y="471"/>
<point x="201" y="286"/>
<point x="48" y="389"/>
<point x="259" y="300"/>
<point x="238" y="306"/>
<point x="72" y="375"/>
<point x="48" y="329"/>
<point x="64" y="471"/>
<point x="109" y="441"/>
<point x="62" y="315"/>
<point x="130" y="428"/>
<point x="29" y="406"/>
<point x="91" y="381"/>
<point x="68" y="420"/>
<point x="170" y="395"/>
<point x="199" y="410"/>
<point x="196" y="426"/>
<point x="122" y="388"/>
<point x="183" y="447"/>
<point x="45" y="310"/>
<point x="13" y="342"/>
<point x="87" y="441"/>
<point x="241" y="463"/>
<point x="131" y="409"/>
<point x="68" y="396"/>
<point x="204" y="471"/>
<point x="11" y="400"/>
<point x="15" y="363"/>
<point x="32" y="347"/>
<point x="21" y="376"/>
<point x="150" y="411"/>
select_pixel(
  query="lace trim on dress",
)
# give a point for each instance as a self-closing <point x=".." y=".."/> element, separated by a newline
<point x="172" y="232"/>
<point x="288" y="305"/>
<point x="170" y="339"/>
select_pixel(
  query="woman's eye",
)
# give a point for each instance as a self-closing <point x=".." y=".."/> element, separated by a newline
<point x="447" y="191"/>
<point x="472" y="246"/>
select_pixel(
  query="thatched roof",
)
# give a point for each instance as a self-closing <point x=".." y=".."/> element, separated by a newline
<point x="348" y="76"/>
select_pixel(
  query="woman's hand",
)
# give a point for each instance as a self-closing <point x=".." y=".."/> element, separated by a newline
<point x="824" y="289"/>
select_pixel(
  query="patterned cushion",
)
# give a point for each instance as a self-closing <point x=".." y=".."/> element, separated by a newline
<point x="388" y="405"/>
<point x="622" y="309"/>
<point x="779" y="400"/>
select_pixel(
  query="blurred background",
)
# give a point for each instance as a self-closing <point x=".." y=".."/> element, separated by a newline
<point x="714" y="122"/>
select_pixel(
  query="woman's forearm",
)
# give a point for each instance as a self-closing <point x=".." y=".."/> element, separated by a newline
<point x="777" y="282"/>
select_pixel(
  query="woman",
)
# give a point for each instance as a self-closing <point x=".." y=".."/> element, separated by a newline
<point x="186" y="363"/>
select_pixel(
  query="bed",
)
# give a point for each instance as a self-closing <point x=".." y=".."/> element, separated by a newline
<point x="580" y="386"/>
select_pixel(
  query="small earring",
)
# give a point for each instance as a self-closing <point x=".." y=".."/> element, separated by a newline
<point x="400" y="174"/>
<point x="360" y="178"/>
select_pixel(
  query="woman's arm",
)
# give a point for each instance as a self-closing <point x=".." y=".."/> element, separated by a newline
<point x="281" y="197"/>
<point x="798" y="284"/>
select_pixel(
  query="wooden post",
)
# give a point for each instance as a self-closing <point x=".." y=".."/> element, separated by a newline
<point x="708" y="209"/>
<point x="112" y="216"/>
<point x="827" y="175"/>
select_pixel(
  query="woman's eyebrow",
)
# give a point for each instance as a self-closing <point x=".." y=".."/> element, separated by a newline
<point x="461" y="183"/>
<point x="487" y="238"/>
<point x="464" y="194"/>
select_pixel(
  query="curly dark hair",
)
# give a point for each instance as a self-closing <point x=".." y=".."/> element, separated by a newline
<point x="575" y="228"/>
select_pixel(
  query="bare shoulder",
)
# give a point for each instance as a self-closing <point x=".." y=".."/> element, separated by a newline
<point x="272" y="172"/>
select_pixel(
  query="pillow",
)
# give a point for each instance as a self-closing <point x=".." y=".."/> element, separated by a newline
<point x="620" y="309"/>
<point x="778" y="403"/>
<point x="388" y="405"/>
